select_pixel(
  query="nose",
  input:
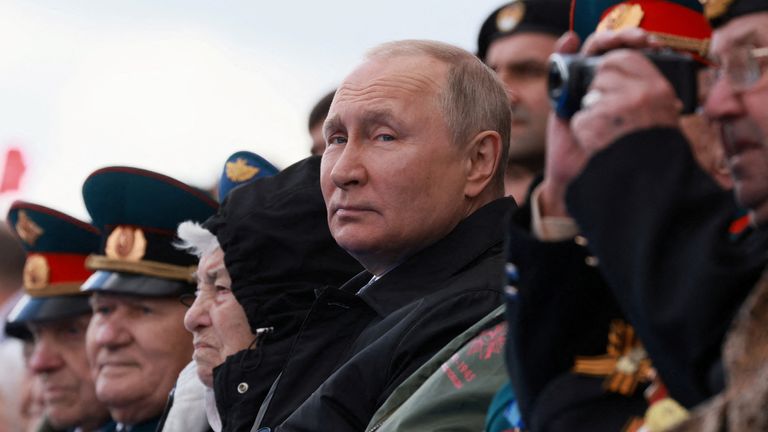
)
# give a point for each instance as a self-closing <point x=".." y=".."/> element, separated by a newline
<point x="109" y="332"/>
<point x="510" y="86"/>
<point x="45" y="357"/>
<point x="347" y="166"/>
<point x="723" y="102"/>
<point x="197" y="316"/>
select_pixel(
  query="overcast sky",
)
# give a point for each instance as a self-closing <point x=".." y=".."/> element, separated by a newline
<point x="176" y="86"/>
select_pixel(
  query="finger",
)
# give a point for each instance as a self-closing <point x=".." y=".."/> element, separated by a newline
<point x="603" y="41"/>
<point x="568" y="43"/>
<point x="630" y="63"/>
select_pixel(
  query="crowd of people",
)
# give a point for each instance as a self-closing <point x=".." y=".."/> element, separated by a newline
<point x="479" y="241"/>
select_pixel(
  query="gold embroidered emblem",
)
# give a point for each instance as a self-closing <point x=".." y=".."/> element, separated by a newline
<point x="621" y="17"/>
<point x="240" y="171"/>
<point x="625" y="363"/>
<point x="36" y="273"/>
<point x="27" y="229"/>
<point x="715" y="8"/>
<point x="126" y="243"/>
<point x="509" y="17"/>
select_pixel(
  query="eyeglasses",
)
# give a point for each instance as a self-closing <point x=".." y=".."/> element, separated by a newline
<point x="743" y="67"/>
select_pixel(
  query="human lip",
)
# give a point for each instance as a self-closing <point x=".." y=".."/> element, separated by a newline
<point x="116" y="366"/>
<point x="53" y="393"/>
<point x="350" y="210"/>
<point x="740" y="136"/>
<point x="202" y="345"/>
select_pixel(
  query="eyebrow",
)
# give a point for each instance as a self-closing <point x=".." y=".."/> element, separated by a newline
<point x="748" y="36"/>
<point x="331" y="124"/>
<point x="378" y="117"/>
<point x="369" y="119"/>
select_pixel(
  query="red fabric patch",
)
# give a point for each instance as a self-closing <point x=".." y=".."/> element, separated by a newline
<point x="66" y="268"/>
<point x="739" y="225"/>
<point x="12" y="171"/>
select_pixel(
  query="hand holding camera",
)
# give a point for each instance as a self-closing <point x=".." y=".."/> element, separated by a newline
<point x="628" y="93"/>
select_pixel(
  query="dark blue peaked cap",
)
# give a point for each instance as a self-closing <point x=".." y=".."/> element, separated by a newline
<point x="138" y="212"/>
<point x="241" y="168"/>
<point x="57" y="246"/>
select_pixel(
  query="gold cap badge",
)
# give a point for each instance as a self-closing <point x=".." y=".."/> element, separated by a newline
<point x="27" y="229"/>
<point x="621" y="17"/>
<point x="36" y="273"/>
<point x="126" y="243"/>
<point x="509" y="17"/>
<point x="240" y="171"/>
<point x="715" y="8"/>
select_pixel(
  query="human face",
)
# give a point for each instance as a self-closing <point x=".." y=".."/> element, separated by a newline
<point x="216" y="320"/>
<point x="392" y="179"/>
<point x="743" y="114"/>
<point x="59" y="362"/>
<point x="521" y="61"/>
<point x="136" y="347"/>
<point x="703" y="137"/>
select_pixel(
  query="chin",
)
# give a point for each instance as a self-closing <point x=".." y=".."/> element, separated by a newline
<point x="63" y="418"/>
<point x="206" y="377"/>
<point x="115" y="391"/>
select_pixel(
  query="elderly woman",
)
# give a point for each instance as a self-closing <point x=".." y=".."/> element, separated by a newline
<point x="261" y="259"/>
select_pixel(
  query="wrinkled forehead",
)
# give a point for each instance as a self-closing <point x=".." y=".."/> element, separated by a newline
<point x="99" y="297"/>
<point x="211" y="260"/>
<point x="49" y="325"/>
<point x="393" y="77"/>
<point x="746" y="30"/>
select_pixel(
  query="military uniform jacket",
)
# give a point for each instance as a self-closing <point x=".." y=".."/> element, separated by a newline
<point x="562" y="309"/>
<point x="355" y="349"/>
<point x="660" y="227"/>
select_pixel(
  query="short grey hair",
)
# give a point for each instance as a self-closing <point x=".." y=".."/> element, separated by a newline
<point x="195" y="239"/>
<point x="473" y="100"/>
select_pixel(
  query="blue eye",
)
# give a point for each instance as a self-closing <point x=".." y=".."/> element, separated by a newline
<point x="385" y="137"/>
<point x="337" y="140"/>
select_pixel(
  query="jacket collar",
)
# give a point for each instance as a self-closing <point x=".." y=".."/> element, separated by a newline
<point x="427" y="271"/>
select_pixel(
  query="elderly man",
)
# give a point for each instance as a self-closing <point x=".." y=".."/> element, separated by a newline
<point x="516" y="41"/>
<point x="562" y="298"/>
<point x="55" y="314"/>
<point x="136" y="341"/>
<point x="412" y="179"/>
<point x="10" y="348"/>
<point x="670" y="242"/>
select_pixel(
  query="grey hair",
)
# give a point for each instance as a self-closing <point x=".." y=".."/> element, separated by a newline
<point x="473" y="99"/>
<point x="195" y="239"/>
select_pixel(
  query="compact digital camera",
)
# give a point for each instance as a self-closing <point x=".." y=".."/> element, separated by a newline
<point x="570" y="76"/>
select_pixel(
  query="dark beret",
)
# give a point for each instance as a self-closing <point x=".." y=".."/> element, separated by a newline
<point x="520" y="16"/>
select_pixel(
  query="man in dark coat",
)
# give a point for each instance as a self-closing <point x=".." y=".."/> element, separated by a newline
<point x="570" y="342"/>
<point x="412" y="179"/>
<point x="663" y="230"/>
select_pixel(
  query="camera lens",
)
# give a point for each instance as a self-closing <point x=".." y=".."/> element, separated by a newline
<point x="557" y="76"/>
